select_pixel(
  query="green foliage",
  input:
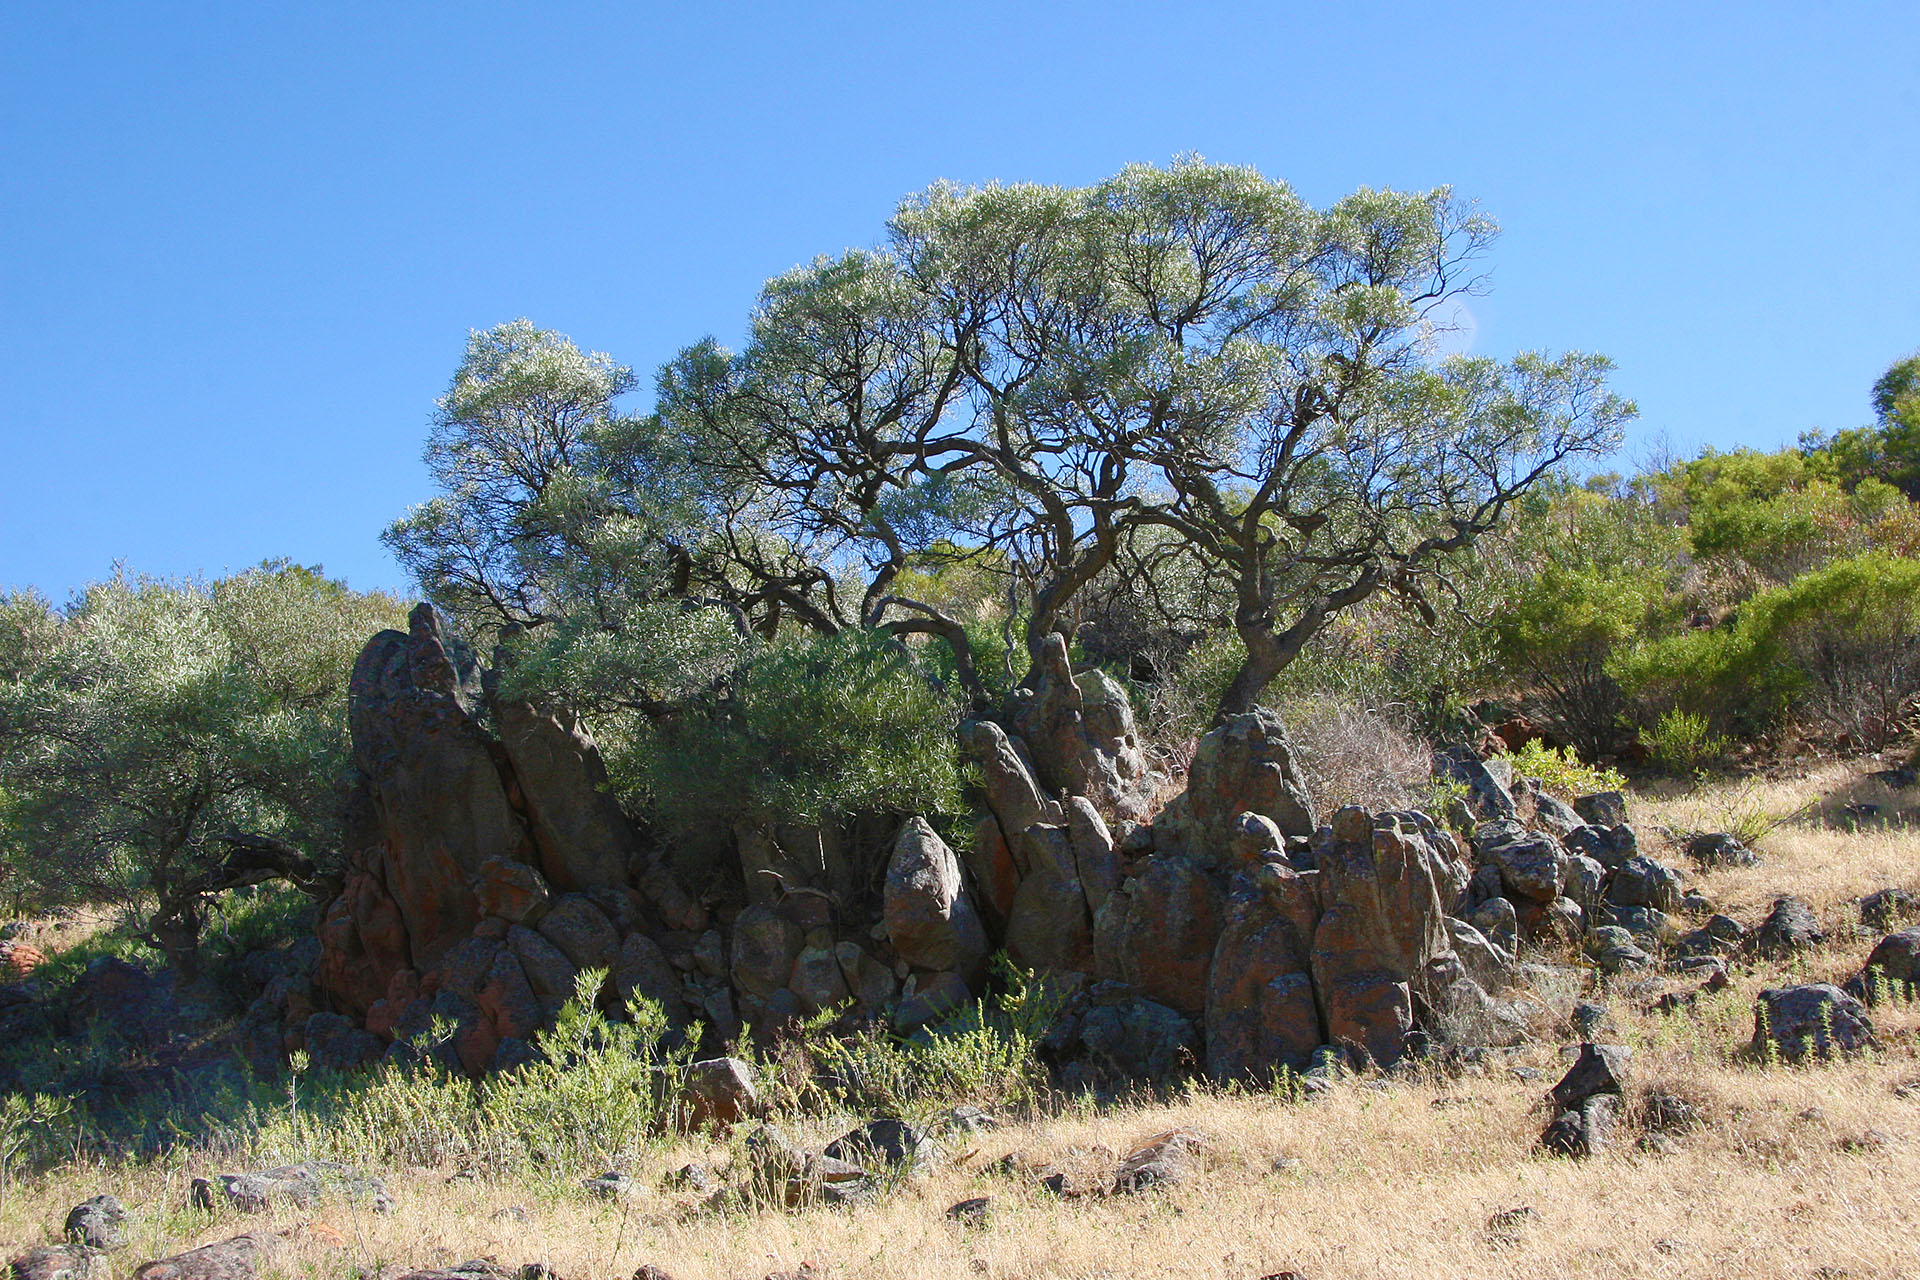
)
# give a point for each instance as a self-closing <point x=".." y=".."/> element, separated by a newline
<point x="810" y="728"/>
<point x="1561" y="772"/>
<point x="26" y="1121"/>
<point x="153" y="718"/>
<point x="1682" y="742"/>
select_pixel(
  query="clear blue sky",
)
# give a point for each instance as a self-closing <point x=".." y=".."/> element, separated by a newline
<point x="241" y="244"/>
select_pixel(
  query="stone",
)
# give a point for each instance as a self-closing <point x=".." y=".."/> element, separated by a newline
<point x="1642" y="882"/>
<point x="891" y="1142"/>
<point x="1720" y="935"/>
<point x="1497" y="919"/>
<point x="1050" y="928"/>
<point x="239" y="1258"/>
<point x="930" y="919"/>
<point x="611" y="1185"/>
<point x="1586" y="1130"/>
<point x="1245" y="765"/>
<point x="719" y="1091"/>
<point x="1532" y="864"/>
<point x="1813" y="1020"/>
<point x="1720" y="849"/>
<point x="1382" y="927"/>
<point x="1551" y="813"/>
<point x="1887" y="907"/>
<point x="643" y="972"/>
<point x="1140" y="1040"/>
<point x="930" y="998"/>
<point x="1261" y="1013"/>
<point x="1096" y="864"/>
<point x="1081" y="733"/>
<point x="1488" y="782"/>
<point x="1487" y="963"/>
<point x="990" y="863"/>
<point x="508" y="999"/>
<point x="871" y="982"/>
<point x="1599" y="1068"/>
<point x="1012" y="794"/>
<point x="817" y="980"/>
<point x="61" y="1262"/>
<point x="1616" y="950"/>
<point x="99" y="1223"/>
<point x="1651" y="928"/>
<point x="546" y="968"/>
<point x="582" y="932"/>
<point x="1602" y="808"/>
<point x="1586" y="881"/>
<point x="1608" y="846"/>
<point x="1164" y="1160"/>
<point x="974" y="1212"/>
<point x="333" y="1041"/>
<point x="1893" y="968"/>
<point x="1158" y="931"/>
<point x="765" y="945"/>
<point x="1789" y="928"/>
<point x="583" y="838"/>
<point x="513" y="891"/>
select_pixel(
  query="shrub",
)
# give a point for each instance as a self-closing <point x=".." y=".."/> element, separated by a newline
<point x="1562" y="772"/>
<point x="1682" y="742"/>
<point x="1357" y="755"/>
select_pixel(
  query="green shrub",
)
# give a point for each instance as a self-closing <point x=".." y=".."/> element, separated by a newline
<point x="1683" y="742"/>
<point x="1562" y="772"/>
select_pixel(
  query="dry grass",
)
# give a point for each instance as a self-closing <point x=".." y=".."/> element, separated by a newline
<point x="1810" y="1172"/>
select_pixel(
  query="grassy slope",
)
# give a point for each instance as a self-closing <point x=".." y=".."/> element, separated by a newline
<point x="1799" y="1172"/>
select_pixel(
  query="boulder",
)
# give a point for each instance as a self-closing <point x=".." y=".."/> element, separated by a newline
<point x="61" y="1262"/>
<point x="1599" y="1068"/>
<point x="1498" y="921"/>
<point x="1585" y="1130"/>
<point x="1642" y="882"/>
<point x="929" y="998"/>
<point x="1602" y="808"/>
<point x="1789" y="928"/>
<point x="891" y="1142"/>
<point x="1382" y="927"/>
<point x="545" y="966"/>
<point x="929" y="917"/>
<point x="1261" y="1014"/>
<point x="817" y="980"/>
<point x="719" y="1091"/>
<point x="1050" y="928"/>
<point x="99" y="1223"/>
<point x="1532" y="864"/>
<point x="1096" y="863"/>
<point x="1486" y="962"/>
<point x="1720" y="849"/>
<point x="1015" y="798"/>
<point x="1245" y="765"/>
<point x="1814" y="1020"/>
<point x="990" y="862"/>
<point x="582" y="932"/>
<point x="1158" y="931"/>
<point x="1608" y="846"/>
<point x="1166" y="1159"/>
<point x="1139" y="1040"/>
<point x="1488" y="782"/>
<point x="240" y="1258"/>
<point x="513" y="891"/>
<point x="1080" y="731"/>
<point x="1887" y="907"/>
<point x="1893" y="968"/>
<point x="583" y="838"/>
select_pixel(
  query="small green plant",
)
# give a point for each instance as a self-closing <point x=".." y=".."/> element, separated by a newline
<point x="25" y="1119"/>
<point x="1683" y="742"/>
<point x="1562" y="772"/>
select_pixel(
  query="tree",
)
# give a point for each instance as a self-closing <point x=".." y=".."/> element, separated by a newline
<point x="171" y="740"/>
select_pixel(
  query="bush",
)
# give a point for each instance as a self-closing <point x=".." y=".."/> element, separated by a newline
<point x="1683" y="742"/>
<point x="1561" y="772"/>
<point x="1356" y="755"/>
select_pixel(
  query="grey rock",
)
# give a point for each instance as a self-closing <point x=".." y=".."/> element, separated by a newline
<point x="1720" y="849"/>
<point x="61" y="1262"/>
<point x="1813" y="1020"/>
<point x="1532" y="864"/>
<point x="1488" y="782"/>
<point x="1789" y="928"/>
<point x="1602" y="808"/>
<point x="99" y="1223"/>
<point x="1642" y="882"/>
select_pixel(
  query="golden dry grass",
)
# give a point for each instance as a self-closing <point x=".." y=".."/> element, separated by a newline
<point x="1810" y="1172"/>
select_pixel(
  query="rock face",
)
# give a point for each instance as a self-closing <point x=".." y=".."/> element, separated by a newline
<point x="930" y="919"/>
<point x="1246" y="765"/>
<point x="1081" y="733"/>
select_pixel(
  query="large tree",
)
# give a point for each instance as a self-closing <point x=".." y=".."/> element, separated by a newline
<point x="165" y="741"/>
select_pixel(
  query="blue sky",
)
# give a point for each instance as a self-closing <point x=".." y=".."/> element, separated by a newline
<point x="241" y="245"/>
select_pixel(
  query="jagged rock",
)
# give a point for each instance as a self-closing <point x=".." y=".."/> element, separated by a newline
<point x="1166" y="1159"/>
<point x="545" y="966"/>
<point x="1602" y="808"/>
<point x="1497" y="919"/>
<point x="1615" y="950"/>
<point x="1139" y="1039"/>
<point x="1261" y="1011"/>
<point x="333" y="1041"/>
<point x="1532" y="864"/>
<point x="1157" y="932"/>
<point x="61" y="1262"/>
<point x="929" y="998"/>
<point x="1013" y="795"/>
<point x="1050" y="928"/>
<point x="1586" y="1130"/>
<point x="884" y="1142"/>
<point x="99" y="1223"/>
<point x="1586" y="881"/>
<point x="1651" y="928"/>
<point x="871" y="982"/>
<point x="1893" y="968"/>
<point x="1599" y="1068"/>
<point x="990" y="862"/>
<point x="719" y="1091"/>
<point x="929" y="917"/>
<point x="1081" y="732"/>
<point x="1382" y="927"/>
<point x="583" y="838"/>
<point x="1096" y="864"/>
<point x="644" y="972"/>
<point x="1720" y="935"/>
<point x="507" y="998"/>
<point x="1789" y="928"/>
<point x="1720" y="849"/>
<point x="1608" y="846"/>
<point x="1814" y="1020"/>
<point x="1550" y="812"/>
<point x="440" y="810"/>
<point x="816" y="979"/>
<point x="513" y="891"/>
<point x="1642" y="882"/>
<point x="1488" y="782"/>
<point x="1246" y="765"/>
<point x="582" y="932"/>
<point x="1887" y="907"/>
<point x="1486" y="962"/>
<point x="765" y="945"/>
